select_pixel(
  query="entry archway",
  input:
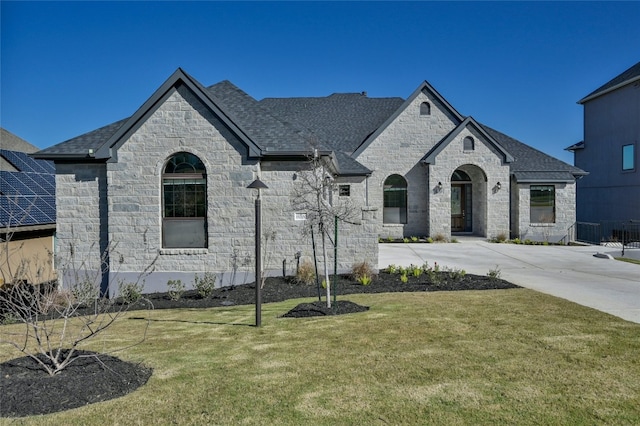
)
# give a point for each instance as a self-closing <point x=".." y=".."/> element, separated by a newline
<point x="469" y="200"/>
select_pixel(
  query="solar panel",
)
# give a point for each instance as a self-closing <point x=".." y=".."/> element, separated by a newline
<point x="28" y="196"/>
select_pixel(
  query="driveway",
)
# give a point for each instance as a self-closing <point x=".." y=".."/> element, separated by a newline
<point x="572" y="273"/>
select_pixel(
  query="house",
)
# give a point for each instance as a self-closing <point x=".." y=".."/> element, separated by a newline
<point x="168" y="185"/>
<point x="611" y="191"/>
<point x="27" y="212"/>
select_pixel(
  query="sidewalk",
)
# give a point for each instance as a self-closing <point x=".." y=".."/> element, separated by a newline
<point x="572" y="273"/>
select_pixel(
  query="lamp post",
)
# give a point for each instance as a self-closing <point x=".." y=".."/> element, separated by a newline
<point x="258" y="184"/>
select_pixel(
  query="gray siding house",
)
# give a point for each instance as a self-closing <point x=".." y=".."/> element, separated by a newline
<point x="609" y="151"/>
<point x="170" y="182"/>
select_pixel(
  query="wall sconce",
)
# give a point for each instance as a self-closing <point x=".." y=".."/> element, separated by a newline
<point x="439" y="186"/>
<point x="498" y="186"/>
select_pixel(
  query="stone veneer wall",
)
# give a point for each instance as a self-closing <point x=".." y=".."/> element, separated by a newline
<point x="565" y="213"/>
<point x="398" y="150"/>
<point x="121" y="203"/>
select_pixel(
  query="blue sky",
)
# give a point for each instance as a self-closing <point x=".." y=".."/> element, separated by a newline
<point x="70" y="67"/>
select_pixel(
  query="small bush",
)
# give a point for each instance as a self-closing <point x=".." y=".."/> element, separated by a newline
<point x="439" y="238"/>
<point x="494" y="274"/>
<point x="390" y="239"/>
<point x="392" y="269"/>
<point x="306" y="273"/>
<point x="365" y="280"/>
<point x="516" y="241"/>
<point x="362" y="269"/>
<point x="404" y="278"/>
<point x="130" y="292"/>
<point x="205" y="285"/>
<point x="454" y="240"/>
<point x="501" y="237"/>
<point x="457" y="274"/>
<point x="414" y="239"/>
<point x="406" y="240"/>
<point x="429" y="240"/>
<point x="176" y="289"/>
<point x="416" y="271"/>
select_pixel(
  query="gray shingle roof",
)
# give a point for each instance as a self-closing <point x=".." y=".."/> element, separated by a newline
<point x="628" y="76"/>
<point x="343" y="121"/>
<point x="293" y="126"/>
<point x="528" y="162"/>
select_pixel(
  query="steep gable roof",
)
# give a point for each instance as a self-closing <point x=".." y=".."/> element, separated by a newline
<point x="430" y="157"/>
<point x="101" y="144"/>
<point x="424" y="87"/>
<point x="627" y="77"/>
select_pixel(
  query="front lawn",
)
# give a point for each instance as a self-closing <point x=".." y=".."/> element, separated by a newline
<point x="466" y="357"/>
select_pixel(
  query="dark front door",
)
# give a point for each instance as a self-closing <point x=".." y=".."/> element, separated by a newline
<point x="461" y="208"/>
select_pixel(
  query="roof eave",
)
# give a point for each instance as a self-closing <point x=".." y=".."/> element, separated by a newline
<point x="608" y="90"/>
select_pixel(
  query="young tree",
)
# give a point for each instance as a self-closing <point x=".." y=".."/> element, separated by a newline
<point x="313" y="195"/>
<point x="55" y="320"/>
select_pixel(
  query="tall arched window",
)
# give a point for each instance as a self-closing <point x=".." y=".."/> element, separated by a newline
<point x="184" y="202"/>
<point x="395" y="200"/>
<point x="425" y="108"/>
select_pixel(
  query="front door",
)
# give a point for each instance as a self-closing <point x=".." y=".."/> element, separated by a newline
<point x="461" y="208"/>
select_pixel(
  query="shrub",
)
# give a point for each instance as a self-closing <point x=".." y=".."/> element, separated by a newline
<point x="439" y="238"/>
<point x="306" y="273"/>
<point x="414" y="239"/>
<point x="416" y="271"/>
<point x="392" y="269"/>
<point x="454" y="240"/>
<point x="390" y="239"/>
<point x="362" y="269"/>
<point x="429" y="240"/>
<point x="457" y="274"/>
<point x="176" y="289"/>
<point x="501" y="237"/>
<point x="130" y="292"/>
<point x="365" y="280"/>
<point x="404" y="278"/>
<point x="205" y="285"/>
<point x="406" y="240"/>
<point x="494" y="274"/>
<point x="516" y="241"/>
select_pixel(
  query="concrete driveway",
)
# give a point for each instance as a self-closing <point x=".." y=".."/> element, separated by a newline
<point x="572" y="273"/>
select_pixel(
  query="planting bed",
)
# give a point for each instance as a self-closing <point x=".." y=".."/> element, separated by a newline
<point x="28" y="390"/>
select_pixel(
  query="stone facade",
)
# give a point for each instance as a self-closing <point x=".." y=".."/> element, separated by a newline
<point x="115" y="206"/>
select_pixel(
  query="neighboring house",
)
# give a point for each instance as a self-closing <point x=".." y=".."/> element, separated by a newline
<point x="27" y="212"/>
<point x="609" y="151"/>
<point x="168" y="184"/>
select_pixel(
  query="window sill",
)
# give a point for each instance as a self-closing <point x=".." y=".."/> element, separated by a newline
<point x="177" y="251"/>
<point x="393" y="225"/>
<point x="542" y="225"/>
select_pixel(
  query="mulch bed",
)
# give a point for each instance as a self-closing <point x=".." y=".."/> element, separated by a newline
<point x="28" y="390"/>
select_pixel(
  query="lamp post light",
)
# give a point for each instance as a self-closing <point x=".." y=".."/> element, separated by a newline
<point x="258" y="184"/>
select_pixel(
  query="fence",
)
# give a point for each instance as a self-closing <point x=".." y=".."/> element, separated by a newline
<point x="625" y="233"/>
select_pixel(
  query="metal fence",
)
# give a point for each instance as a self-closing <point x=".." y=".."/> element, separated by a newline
<point x="625" y="233"/>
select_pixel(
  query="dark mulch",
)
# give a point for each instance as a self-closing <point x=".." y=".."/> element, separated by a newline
<point x="28" y="390"/>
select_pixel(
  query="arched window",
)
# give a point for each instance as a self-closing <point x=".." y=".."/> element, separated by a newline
<point x="184" y="202"/>
<point x="425" y="108"/>
<point x="468" y="144"/>
<point x="395" y="200"/>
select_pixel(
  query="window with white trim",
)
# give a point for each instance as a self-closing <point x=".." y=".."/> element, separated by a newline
<point x="395" y="200"/>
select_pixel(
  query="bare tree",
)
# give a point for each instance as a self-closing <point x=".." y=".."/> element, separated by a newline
<point x="55" y="319"/>
<point x="313" y="195"/>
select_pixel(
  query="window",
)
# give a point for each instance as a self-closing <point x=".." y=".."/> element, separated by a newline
<point x="184" y="199"/>
<point x="628" y="157"/>
<point x="395" y="200"/>
<point x="344" y="190"/>
<point x="543" y="204"/>
<point x="425" y="108"/>
<point x="468" y="144"/>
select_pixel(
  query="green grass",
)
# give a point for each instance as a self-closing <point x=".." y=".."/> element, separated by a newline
<point x="626" y="259"/>
<point x="476" y="357"/>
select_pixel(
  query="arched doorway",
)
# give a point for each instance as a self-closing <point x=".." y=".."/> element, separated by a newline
<point x="461" y="202"/>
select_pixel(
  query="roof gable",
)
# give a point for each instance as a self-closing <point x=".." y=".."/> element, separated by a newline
<point x="102" y="144"/>
<point x="425" y="87"/>
<point x="430" y="157"/>
<point x="627" y="77"/>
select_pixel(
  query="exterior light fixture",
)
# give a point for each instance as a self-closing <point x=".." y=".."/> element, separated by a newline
<point x="498" y="185"/>
<point x="439" y="186"/>
<point x="258" y="184"/>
